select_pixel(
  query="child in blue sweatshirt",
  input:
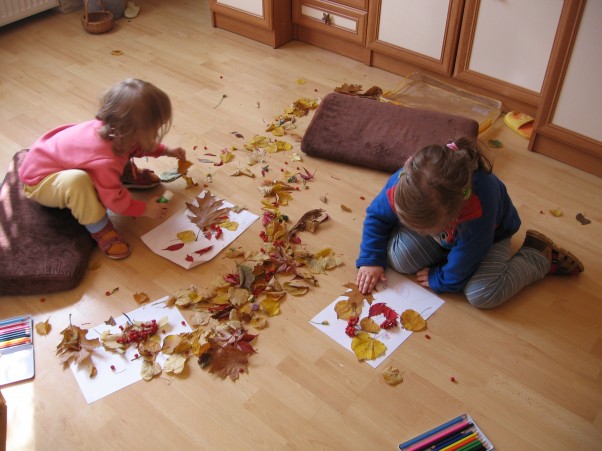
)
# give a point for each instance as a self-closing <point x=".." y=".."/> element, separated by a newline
<point x="446" y="218"/>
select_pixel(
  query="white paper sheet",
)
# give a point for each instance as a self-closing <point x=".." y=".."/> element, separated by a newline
<point x="165" y="235"/>
<point x="399" y="294"/>
<point x="127" y="368"/>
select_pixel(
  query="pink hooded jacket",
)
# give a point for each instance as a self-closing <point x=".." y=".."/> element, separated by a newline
<point x="79" y="146"/>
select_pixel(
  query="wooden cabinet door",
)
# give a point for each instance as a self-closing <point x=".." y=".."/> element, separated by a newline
<point x="421" y="32"/>
<point x="494" y="53"/>
<point x="267" y="21"/>
<point x="567" y="124"/>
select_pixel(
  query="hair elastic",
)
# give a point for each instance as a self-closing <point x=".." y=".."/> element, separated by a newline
<point x="452" y="146"/>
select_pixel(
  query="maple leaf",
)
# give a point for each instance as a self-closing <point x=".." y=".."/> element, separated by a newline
<point x="367" y="348"/>
<point x="183" y="166"/>
<point x="411" y="320"/>
<point x="355" y="296"/>
<point x="229" y="362"/>
<point x="207" y="212"/>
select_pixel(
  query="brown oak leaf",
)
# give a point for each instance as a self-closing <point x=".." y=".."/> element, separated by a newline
<point x="208" y="212"/>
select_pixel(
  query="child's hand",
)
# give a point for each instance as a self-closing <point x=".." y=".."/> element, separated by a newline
<point x="422" y="277"/>
<point x="155" y="209"/>
<point x="368" y="277"/>
<point x="178" y="153"/>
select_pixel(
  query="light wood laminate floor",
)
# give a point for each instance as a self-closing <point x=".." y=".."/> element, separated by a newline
<point x="529" y="372"/>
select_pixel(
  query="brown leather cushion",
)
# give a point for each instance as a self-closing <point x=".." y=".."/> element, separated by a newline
<point x="378" y="135"/>
<point x="42" y="250"/>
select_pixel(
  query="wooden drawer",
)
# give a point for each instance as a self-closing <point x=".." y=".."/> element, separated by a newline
<point x="332" y="18"/>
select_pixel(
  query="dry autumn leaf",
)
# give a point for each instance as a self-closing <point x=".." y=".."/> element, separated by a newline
<point x="411" y="320"/>
<point x="392" y="376"/>
<point x="366" y="347"/>
<point x="75" y="347"/>
<point x="207" y="212"/>
<point x="367" y="324"/>
<point x="43" y="327"/>
<point x="229" y="362"/>
<point x="141" y="297"/>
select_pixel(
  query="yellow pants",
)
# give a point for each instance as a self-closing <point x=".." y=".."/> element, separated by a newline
<point x="72" y="189"/>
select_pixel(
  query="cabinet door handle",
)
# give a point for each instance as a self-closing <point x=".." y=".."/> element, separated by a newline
<point x="326" y="18"/>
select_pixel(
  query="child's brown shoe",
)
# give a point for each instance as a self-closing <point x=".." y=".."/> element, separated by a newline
<point x="134" y="178"/>
<point x="111" y="243"/>
<point x="564" y="263"/>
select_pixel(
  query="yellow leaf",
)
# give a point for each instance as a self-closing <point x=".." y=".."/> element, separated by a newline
<point x="301" y="81"/>
<point x="346" y="309"/>
<point x="226" y="157"/>
<point x="392" y="376"/>
<point x="278" y="131"/>
<point x="141" y="297"/>
<point x="175" y="363"/>
<point x="149" y="370"/>
<point x="367" y="348"/>
<point x="43" y="328"/>
<point x="411" y="320"/>
<point x="296" y="287"/>
<point x="369" y="325"/>
<point x="556" y="212"/>
<point x="187" y="236"/>
<point x="229" y="225"/>
<point x="270" y="306"/>
<point x="259" y="321"/>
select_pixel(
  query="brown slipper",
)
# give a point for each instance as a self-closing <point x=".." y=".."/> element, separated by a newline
<point x="564" y="263"/>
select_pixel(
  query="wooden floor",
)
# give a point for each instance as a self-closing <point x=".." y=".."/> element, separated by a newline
<point x="529" y="372"/>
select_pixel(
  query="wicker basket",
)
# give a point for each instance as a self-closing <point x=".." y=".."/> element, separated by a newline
<point x="98" y="21"/>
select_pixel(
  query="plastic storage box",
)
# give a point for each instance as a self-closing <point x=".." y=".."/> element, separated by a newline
<point x="421" y="91"/>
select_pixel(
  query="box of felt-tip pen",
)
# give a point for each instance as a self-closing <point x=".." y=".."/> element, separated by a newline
<point x="16" y="349"/>
<point x="458" y="434"/>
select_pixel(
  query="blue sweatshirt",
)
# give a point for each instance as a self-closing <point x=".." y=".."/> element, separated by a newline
<point x="489" y="216"/>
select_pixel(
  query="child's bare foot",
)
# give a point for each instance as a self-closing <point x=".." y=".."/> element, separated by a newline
<point x="111" y="243"/>
<point x="563" y="262"/>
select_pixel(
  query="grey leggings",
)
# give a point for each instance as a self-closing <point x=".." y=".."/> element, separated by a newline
<point x="499" y="277"/>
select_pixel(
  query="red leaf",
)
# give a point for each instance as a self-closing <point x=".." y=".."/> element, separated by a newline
<point x="189" y="258"/>
<point x="204" y="250"/>
<point x="234" y="279"/>
<point x="174" y="247"/>
<point x="377" y="309"/>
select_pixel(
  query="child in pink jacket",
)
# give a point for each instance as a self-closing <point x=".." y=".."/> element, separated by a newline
<point x="81" y="166"/>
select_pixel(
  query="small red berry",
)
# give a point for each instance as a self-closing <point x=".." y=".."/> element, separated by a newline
<point x="427" y="336"/>
<point x="42" y="299"/>
<point x="453" y="379"/>
<point x="112" y="367"/>
<point x="362" y="198"/>
<point x="107" y="293"/>
<point x="183" y="323"/>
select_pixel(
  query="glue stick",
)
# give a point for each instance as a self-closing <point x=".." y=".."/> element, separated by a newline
<point x="165" y="197"/>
